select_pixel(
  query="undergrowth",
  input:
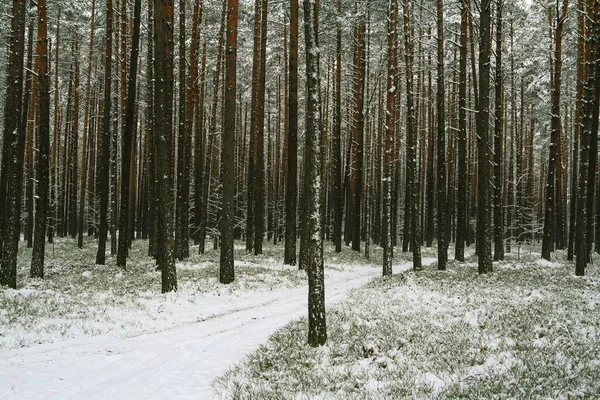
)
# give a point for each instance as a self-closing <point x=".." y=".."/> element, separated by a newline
<point x="528" y="330"/>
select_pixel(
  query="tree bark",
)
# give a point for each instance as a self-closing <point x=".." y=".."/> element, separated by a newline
<point x="483" y="143"/>
<point x="442" y="206"/>
<point x="102" y="170"/>
<point x="226" y="226"/>
<point x="317" y="331"/>
<point x="43" y="175"/>
<point x="126" y="145"/>
<point x="163" y="110"/>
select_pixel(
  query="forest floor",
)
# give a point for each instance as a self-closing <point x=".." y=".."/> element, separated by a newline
<point x="88" y="331"/>
<point x="531" y="329"/>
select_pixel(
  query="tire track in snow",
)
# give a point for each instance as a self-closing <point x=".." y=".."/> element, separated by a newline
<point x="178" y="363"/>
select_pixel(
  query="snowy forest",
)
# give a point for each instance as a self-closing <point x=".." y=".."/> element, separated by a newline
<point x="287" y="199"/>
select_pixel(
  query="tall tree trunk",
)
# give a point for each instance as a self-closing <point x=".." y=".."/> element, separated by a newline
<point x="163" y="113"/>
<point x="337" y="140"/>
<point x="498" y="139"/>
<point x="182" y="233"/>
<point x="102" y="168"/>
<point x="549" y="218"/>
<point x="151" y="133"/>
<point x="12" y="161"/>
<point x="291" y="195"/>
<point x="199" y="149"/>
<point x="126" y="145"/>
<point x="461" y="203"/>
<point x="226" y="274"/>
<point x="259" y="151"/>
<point x="411" y="142"/>
<point x="43" y="143"/>
<point x="483" y="143"/>
<point x="442" y="207"/>
<point x="317" y="331"/>
<point x="212" y="127"/>
<point x="389" y="140"/>
<point x="56" y="139"/>
<point x="86" y="129"/>
<point x="356" y="177"/>
<point x="577" y="127"/>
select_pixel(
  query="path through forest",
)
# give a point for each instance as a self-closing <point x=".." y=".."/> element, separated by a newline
<point x="177" y="363"/>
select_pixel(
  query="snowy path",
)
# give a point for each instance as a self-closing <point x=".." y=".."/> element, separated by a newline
<point x="179" y="363"/>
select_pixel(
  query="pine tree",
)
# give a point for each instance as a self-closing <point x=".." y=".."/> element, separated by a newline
<point x="12" y="161"/>
<point x="549" y="217"/>
<point x="291" y="196"/>
<point x="163" y="114"/>
<point x="43" y="143"/>
<point x="498" y="139"/>
<point x="389" y="140"/>
<point x="317" y="330"/>
<point x="412" y="182"/>
<point x="441" y="144"/>
<point x="127" y="142"/>
<point x="102" y="167"/>
<point x="483" y="143"/>
<point x="228" y="148"/>
<point x="461" y="203"/>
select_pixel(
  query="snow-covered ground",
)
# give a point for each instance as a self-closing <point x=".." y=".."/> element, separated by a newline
<point x="70" y="337"/>
<point x="529" y="330"/>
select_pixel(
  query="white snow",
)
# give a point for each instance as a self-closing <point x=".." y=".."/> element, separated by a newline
<point x="175" y="363"/>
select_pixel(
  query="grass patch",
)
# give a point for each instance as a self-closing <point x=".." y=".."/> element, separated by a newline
<point x="525" y="331"/>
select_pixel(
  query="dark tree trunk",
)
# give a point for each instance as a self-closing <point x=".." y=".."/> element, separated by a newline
<point x="12" y="159"/>
<point x="85" y="154"/>
<point x="498" y="139"/>
<point x="442" y="207"/>
<point x="576" y="128"/>
<point x="291" y="196"/>
<point x="228" y="148"/>
<point x="163" y="113"/>
<point x="259" y="136"/>
<point x="461" y="203"/>
<point x="43" y="144"/>
<point x="411" y="143"/>
<point x="483" y="143"/>
<point x="182" y="233"/>
<point x="389" y="140"/>
<point x="549" y="217"/>
<point x="102" y="168"/>
<point x="337" y="141"/>
<point x="356" y="175"/>
<point x="127" y="139"/>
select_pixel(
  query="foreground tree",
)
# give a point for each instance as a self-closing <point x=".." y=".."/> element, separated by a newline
<point x="337" y="139"/>
<point x="43" y="144"/>
<point x="291" y="195"/>
<point x="461" y="201"/>
<point x="317" y="331"/>
<point x="484" y="248"/>
<point x="226" y="222"/>
<point x="123" y="246"/>
<point x="555" y="82"/>
<point x="102" y="165"/>
<point x="86" y="130"/>
<point x="386" y="239"/>
<point x="442" y="214"/>
<point x="412" y="182"/>
<point x="163" y="116"/>
<point x="590" y="117"/>
<point x="12" y="149"/>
